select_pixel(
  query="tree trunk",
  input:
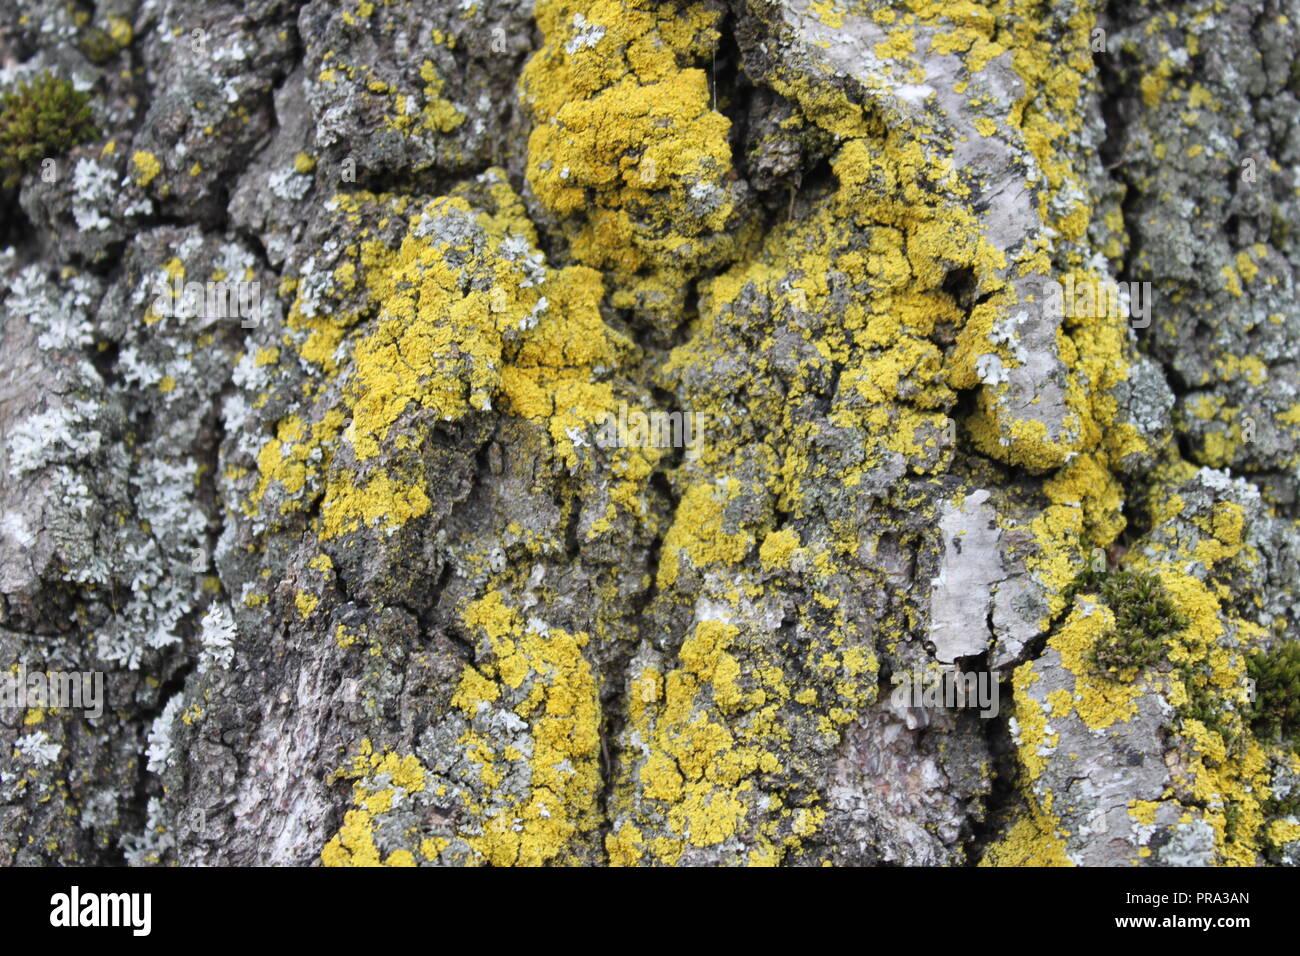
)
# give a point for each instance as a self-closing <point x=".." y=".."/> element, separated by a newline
<point x="635" y="433"/>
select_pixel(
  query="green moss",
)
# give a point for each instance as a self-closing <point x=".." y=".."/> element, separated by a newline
<point x="1288" y="806"/>
<point x="1231" y="821"/>
<point x="1275" y="711"/>
<point x="41" y="118"/>
<point x="1145" y="616"/>
<point x="1207" y="707"/>
<point x="100" y="46"/>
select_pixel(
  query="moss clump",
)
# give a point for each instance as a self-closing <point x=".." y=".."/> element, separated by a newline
<point x="38" y="119"/>
<point x="100" y="46"/>
<point x="1286" y="806"/>
<point x="1275" y="711"/>
<point x="1145" y="616"/>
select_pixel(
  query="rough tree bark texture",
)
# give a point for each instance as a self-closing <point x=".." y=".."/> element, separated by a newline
<point x="368" y="586"/>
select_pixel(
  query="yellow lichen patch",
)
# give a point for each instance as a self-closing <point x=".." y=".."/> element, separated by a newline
<point x="550" y="378"/>
<point x="709" y="732"/>
<point x="147" y="167"/>
<point x="120" y="30"/>
<point x="448" y="349"/>
<point x="1099" y="702"/>
<point x="1054" y="61"/>
<point x="1231" y="787"/>
<point x="624" y="846"/>
<point x="1058" y="530"/>
<point x="306" y="603"/>
<point x="1143" y="811"/>
<point x="381" y="502"/>
<point x="294" y="460"/>
<point x="778" y="547"/>
<point x="437" y="115"/>
<point x="1283" y="831"/>
<point x="698" y="533"/>
<point x="695" y="764"/>
<point x="464" y="314"/>
<point x="1031" y="721"/>
<point x="540" y="675"/>
<point x="1034" y="840"/>
<point x="704" y="654"/>
<point x="626" y="148"/>
<point x="436" y="346"/>
<point x="379" y="779"/>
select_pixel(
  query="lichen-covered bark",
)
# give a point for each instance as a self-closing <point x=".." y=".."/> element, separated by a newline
<point x="373" y="579"/>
